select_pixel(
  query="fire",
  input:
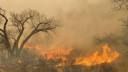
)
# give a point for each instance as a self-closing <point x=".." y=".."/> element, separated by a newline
<point x="60" y="53"/>
<point x="57" y="53"/>
<point x="52" y="53"/>
<point x="106" y="56"/>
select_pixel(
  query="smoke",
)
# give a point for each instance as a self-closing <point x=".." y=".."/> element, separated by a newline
<point x="80" y="20"/>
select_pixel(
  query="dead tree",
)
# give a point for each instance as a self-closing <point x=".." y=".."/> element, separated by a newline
<point x="20" y="27"/>
<point x="120" y="4"/>
<point x="3" y="31"/>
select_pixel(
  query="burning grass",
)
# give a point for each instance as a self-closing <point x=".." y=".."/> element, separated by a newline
<point x="106" y="56"/>
<point x="61" y="58"/>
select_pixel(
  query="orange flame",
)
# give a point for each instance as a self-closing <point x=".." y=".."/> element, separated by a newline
<point x="57" y="53"/>
<point x="61" y="53"/>
<point x="53" y="53"/>
<point x="107" y="56"/>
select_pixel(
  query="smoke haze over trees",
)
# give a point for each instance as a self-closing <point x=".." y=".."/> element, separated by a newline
<point x="85" y="24"/>
<point x="22" y="27"/>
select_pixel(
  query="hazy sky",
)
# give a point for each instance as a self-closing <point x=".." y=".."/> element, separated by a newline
<point x="81" y="19"/>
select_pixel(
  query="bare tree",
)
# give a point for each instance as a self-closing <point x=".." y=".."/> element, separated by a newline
<point x="3" y="31"/>
<point x="123" y="5"/>
<point x="120" y="4"/>
<point x="20" y="27"/>
<point x="111" y="39"/>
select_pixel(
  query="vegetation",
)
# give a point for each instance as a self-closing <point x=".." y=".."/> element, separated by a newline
<point x="18" y="28"/>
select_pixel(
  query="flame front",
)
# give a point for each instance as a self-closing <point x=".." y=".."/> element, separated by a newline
<point x="54" y="53"/>
<point x="57" y="53"/>
<point x="106" y="56"/>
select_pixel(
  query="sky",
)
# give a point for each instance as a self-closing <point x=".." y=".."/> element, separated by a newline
<point x="81" y="20"/>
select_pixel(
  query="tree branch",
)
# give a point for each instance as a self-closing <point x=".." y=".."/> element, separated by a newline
<point x="26" y="39"/>
<point x="5" y="32"/>
<point x="20" y="32"/>
<point x="1" y="35"/>
<point x="2" y="30"/>
<point x="36" y="30"/>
